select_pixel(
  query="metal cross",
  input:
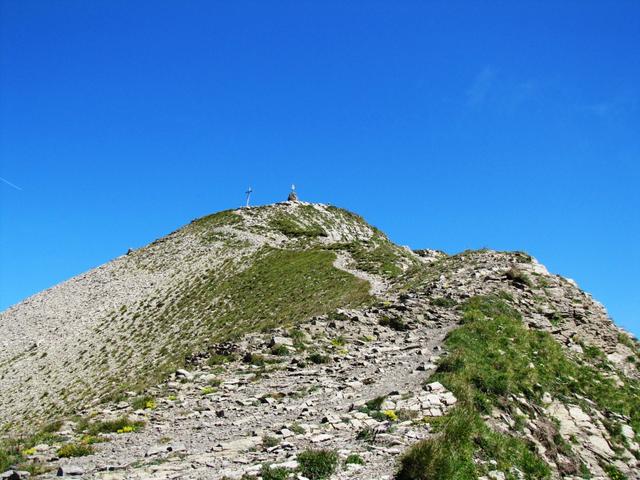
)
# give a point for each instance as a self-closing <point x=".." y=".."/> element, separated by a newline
<point x="248" y="192"/>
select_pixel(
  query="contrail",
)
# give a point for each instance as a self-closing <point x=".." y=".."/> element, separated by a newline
<point x="10" y="184"/>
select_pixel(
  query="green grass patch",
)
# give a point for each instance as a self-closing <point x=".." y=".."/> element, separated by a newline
<point x="378" y="256"/>
<point x="443" y="302"/>
<point x="290" y="226"/>
<point x="219" y="219"/>
<point x="354" y="459"/>
<point x="144" y="402"/>
<point x="284" y="287"/>
<point x="119" y="425"/>
<point x="13" y="451"/>
<point x="75" y="450"/>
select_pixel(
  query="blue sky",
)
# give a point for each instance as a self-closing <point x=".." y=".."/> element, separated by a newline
<point x="450" y="125"/>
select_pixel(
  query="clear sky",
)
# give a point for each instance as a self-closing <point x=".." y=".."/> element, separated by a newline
<point x="448" y="124"/>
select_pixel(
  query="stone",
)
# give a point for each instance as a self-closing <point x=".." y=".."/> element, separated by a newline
<point x="600" y="446"/>
<point x="323" y="437"/>
<point x="182" y="373"/>
<point x="240" y="445"/>
<point x="435" y="387"/>
<point x="290" y="464"/>
<point x="628" y="432"/>
<point x="70" y="471"/>
<point x="278" y="341"/>
<point x="14" y="475"/>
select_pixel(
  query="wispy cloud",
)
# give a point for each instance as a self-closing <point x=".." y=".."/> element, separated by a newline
<point x="490" y="88"/>
<point x="481" y="86"/>
<point x="612" y="107"/>
<point x="10" y="184"/>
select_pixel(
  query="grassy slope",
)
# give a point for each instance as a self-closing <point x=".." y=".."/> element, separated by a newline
<point x="492" y="358"/>
<point x="279" y="288"/>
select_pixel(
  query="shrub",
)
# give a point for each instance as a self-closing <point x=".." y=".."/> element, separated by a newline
<point x="372" y="408"/>
<point x="279" y="350"/>
<point x="297" y="428"/>
<point x="443" y="302"/>
<point x="269" y="441"/>
<point x="367" y="434"/>
<point x="144" y="403"/>
<point x="393" y="323"/>
<point x="518" y="277"/>
<point x="208" y="390"/>
<point x="355" y="459"/>
<point x="120" y="425"/>
<point x="390" y="415"/>
<point x="74" y="450"/>
<point x="298" y="337"/>
<point x="318" y="358"/>
<point x="625" y="339"/>
<point x="254" y="359"/>
<point x="317" y="464"/>
<point x="274" y="473"/>
<point x="376" y="403"/>
<point x="613" y="472"/>
<point x="446" y="456"/>
<point x="219" y="359"/>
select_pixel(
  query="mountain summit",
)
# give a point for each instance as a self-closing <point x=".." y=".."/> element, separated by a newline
<point x="295" y="340"/>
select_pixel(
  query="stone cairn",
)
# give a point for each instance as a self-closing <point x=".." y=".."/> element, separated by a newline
<point x="293" y="196"/>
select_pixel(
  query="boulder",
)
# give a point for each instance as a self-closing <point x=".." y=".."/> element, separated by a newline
<point x="70" y="471"/>
<point x="284" y="341"/>
<point x="14" y="475"/>
<point x="181" y="373"/>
